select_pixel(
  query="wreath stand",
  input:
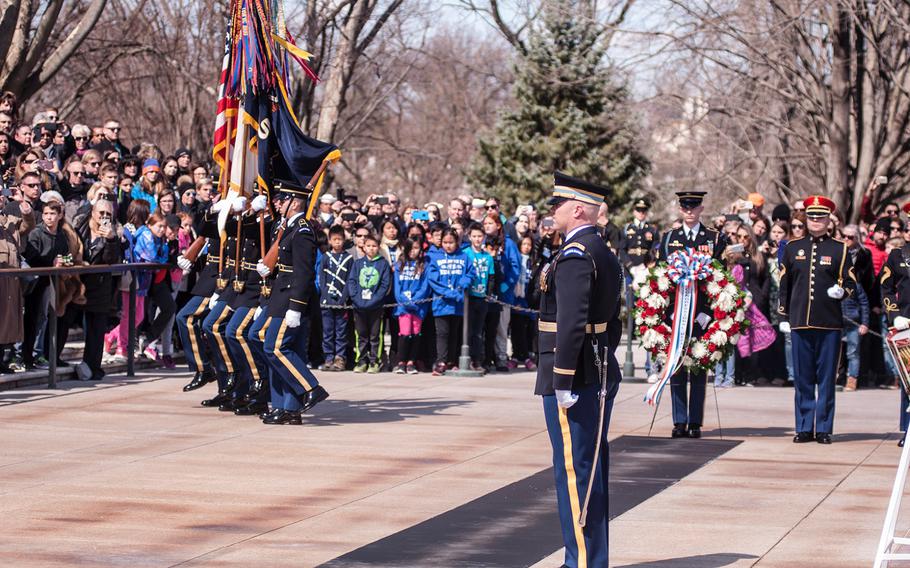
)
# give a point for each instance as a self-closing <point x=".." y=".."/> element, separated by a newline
<point x="899" y="345"/>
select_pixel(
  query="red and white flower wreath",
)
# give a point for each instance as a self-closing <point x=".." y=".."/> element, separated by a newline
<point x="654" y="290"/>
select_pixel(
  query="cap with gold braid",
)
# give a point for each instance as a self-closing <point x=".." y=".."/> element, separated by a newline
<point x="567" y="188"/>
<point x="641" y="204"/>
<point x="691" y="198"/>
<point x="818" y="206"/>
<point x="288" y="189"/>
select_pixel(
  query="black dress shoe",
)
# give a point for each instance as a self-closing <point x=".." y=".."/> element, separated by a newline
<point x="694" y="431"/>
<point x="252" y="408"/>
<point x="823" y="438"/>
<point x="314" y="397"/>
<point x="900" y="443"/>
<point x="283" y="417"/>
<point x="266" y="413"/>
<point x="803" y="437"/>
<point x="233" y="404"/>
<point x="200" y="379"/>
<point x="679" y="431"/>
<point x="230" y="382"/>
<point x="217" y="400"/>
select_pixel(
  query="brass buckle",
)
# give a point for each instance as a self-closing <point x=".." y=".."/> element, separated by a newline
<point x="221" y="284"/>
<point x="238" y="286"/>
<point x="265" y="291"/>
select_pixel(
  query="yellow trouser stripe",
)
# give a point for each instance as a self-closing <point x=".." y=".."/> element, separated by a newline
<point x="573" y="486"/>
<point x="241" y="337"/>
<point x="264" y="329"/>
<point x="217" y="331"/>
<point x="284" y="360"/>
<point x="191" y="330"/>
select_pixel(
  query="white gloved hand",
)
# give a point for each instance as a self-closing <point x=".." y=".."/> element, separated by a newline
<point x="213" y="299"/>
<point x="836" y="292"/>
<point x="184" y="264"/>
<point x="258" y="312"/>
<point x="262" y="269"/>
<point x="784" y="327"/>
<point x="565" y="398"/>
<point x="292" y="318"/>
<point x="238" y="204"/>
<point x="901" y="323"/>
<point x="217" y="207"/>
<point x="259" y="203"/>
<point x="703" y="320"/>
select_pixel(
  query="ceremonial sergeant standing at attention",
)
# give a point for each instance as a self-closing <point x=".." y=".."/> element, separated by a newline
<point x="689" y="407"/>
<point x="578" y="375"/>
<point x="895" y="284"/>
<point x="815" y="274"/>
<point x="288" y="329"/>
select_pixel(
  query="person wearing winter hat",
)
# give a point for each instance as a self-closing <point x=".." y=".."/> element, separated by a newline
<point x="149" y="184"/>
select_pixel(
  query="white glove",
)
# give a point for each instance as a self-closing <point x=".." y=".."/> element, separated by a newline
<point x="565" y="398"/>
<point x="184" y="263"/>
<point x="258" y="313"/>
<point x="259" y="203"/>
<point x="238" y="204"/>
<point x="901" y="323"/>
<point x="213" y="299"/>
<point x="703" y="320"/>
<point x="836" y="292"/>
<point x="216" y="208"/>
<point x="262" y="269"/>
<point x="292" y="318"/>
<point x="784" y="327"/>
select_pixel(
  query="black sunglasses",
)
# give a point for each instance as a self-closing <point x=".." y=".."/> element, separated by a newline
<point x="797" y="226"/>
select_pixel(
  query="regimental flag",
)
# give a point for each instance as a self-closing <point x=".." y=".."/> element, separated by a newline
<point x="285" y="152"/>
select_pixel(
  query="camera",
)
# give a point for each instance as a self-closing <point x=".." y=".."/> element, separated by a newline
<point x="420" y="215"/>
<point x="348" y="216"/>
<point x="382" y="200"/>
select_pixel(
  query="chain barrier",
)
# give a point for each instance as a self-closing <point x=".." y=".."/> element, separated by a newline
<point x="491" y="299"/>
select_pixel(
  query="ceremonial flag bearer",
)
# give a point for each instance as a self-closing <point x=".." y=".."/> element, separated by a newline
<point x="578" y="375"/>
<point x="816" y="273"/>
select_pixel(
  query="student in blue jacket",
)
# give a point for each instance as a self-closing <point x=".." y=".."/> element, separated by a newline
<point x="410" y="286"/>
<point x="449" y="274"/>
<point x="368" y="285"/>
<point x="508" y="262"/>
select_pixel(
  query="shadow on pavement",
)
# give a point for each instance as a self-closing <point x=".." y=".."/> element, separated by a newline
<point x="716" y="560"/>
<point x="781" y="432"/>
<point x="333" y="412"/>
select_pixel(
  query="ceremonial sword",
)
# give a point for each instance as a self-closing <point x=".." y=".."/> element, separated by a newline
<point x="602" y="395"/>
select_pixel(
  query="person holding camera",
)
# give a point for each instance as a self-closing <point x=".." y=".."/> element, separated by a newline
<point x="101" y="245"/>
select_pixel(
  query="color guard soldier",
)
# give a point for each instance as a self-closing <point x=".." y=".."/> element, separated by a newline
<point x="578" y="375"/>
<point x="215" y="323"/>
<point x="243" y="300"/>
<point x="288" y="330"/>
<point x="816" y="273"/>
<point x="894" y="280"/>
<point x="689" y="407"/>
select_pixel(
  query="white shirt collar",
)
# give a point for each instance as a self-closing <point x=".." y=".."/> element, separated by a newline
<point x="294" y="218"/>
<point x="575" y="230"/>
<point x="693" y="231"/>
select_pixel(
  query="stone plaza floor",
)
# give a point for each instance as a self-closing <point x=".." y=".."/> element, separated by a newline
<point x="133" y="472"/>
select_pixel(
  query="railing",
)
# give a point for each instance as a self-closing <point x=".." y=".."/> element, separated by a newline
<point x="54" y="273"/>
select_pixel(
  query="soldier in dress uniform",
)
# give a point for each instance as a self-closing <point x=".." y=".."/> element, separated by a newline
<point x="894" y="280"/>
<point x="636" y="251"/>
<point x="579" y="332"/>
<point x="815" y="274"/>
<point x="215" y="323"/>
<point x="243" y="300"/>
<point x="286" y="337"/>
<point x="689" y="407"/>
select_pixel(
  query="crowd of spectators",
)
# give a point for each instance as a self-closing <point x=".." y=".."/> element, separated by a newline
<point x="78" y="195"/>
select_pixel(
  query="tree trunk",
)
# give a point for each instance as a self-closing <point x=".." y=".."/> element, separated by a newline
<point x="839" y="126"/>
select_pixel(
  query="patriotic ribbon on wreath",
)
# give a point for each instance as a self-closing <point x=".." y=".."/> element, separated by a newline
<point x="684" y="268"/>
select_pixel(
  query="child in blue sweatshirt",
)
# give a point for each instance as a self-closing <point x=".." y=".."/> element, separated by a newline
<point x="333" y="279"/>
<point x="449" y="274"/>
<point x="410" y="286"/>
<point x="368" y="284"/>
<point x="484" y="272"/>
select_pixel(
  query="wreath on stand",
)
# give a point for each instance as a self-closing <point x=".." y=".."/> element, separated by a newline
<point x="657" y="291"/>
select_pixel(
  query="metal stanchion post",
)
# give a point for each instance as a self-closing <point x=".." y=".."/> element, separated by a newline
<point x="131" y="341"/>
<point x="51" y="354"/>
<point x="464" y="360"/>
<point x="628" y="368"/>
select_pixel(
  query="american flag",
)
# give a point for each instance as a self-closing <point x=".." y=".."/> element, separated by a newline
<point x="226" y="114"/>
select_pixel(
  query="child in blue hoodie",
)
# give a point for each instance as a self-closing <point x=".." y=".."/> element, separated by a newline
<point x="484" y="273"/>
<point x="410" y="286"/>
<point x="368" y="284"/>
<point x="449" y="274"/>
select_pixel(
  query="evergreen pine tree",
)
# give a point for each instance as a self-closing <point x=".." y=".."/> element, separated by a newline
<point x="571" y="115"/>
